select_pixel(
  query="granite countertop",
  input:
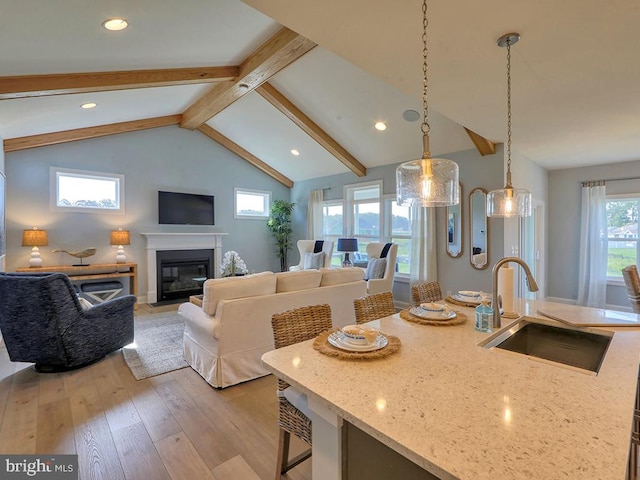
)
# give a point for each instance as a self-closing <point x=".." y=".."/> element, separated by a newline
<point x="466" y="412"/>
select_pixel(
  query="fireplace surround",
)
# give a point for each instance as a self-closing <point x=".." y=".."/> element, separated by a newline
<point x="179" y="241"/>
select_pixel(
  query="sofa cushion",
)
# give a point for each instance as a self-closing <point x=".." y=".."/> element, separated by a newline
<point x="376" y="268"/>
<point x="336" y="276"/>
<point x="313" y="260"/>
<point x="297" y="280"/>
<point x="228" y="288"/>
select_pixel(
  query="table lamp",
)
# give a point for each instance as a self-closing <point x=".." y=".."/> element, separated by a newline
<point x="35" y="238"/>
<point x="119" y="238"/>
<point x="347" y="245"/>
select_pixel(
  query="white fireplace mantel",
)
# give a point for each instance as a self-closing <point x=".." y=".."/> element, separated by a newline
<point x="179" y="241"/>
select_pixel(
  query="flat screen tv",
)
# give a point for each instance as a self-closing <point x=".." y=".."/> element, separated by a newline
<point x="185" y="209"/>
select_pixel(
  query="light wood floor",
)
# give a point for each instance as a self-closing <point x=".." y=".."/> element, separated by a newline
<point x="172" y="426"/>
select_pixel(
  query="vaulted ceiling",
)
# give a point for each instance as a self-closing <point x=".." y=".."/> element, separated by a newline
<point x="256" y="83"/>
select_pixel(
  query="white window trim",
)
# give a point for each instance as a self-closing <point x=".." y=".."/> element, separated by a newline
<point x="53" y="191"/>
<point x="264" y="193"/>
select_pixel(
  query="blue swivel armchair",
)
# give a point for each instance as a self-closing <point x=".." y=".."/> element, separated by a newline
<point x="42" y="322"/>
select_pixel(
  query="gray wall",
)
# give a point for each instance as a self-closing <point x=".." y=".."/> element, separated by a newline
<point x="564" y="224"/>
<point x="167" y="158"/>
<point x="453" y="273"/>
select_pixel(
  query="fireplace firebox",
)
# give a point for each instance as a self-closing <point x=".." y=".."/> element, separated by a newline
<point x="182" y="273"/>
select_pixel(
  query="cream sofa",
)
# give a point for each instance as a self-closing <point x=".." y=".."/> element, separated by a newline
<point x="225" y="339"/>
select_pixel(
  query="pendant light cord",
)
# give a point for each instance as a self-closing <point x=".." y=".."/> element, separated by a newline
<point x="425" y="127"/>
<point x="509" y="111"/>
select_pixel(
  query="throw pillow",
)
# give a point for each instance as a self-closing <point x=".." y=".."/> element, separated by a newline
<point x="313" y="260"/>
<point x="84" y="303"/>
<point x="376" y="268"/>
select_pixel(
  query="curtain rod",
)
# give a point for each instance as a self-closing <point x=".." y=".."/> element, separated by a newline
<point x="612" y="180"/>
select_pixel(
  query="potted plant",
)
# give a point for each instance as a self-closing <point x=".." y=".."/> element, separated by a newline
<point x="232" y="265"/>
<point x="280" y="226"/>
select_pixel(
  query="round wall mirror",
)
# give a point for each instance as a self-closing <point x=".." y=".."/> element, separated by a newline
<point x="478" y="229"/>
<point x="454" y="229"/>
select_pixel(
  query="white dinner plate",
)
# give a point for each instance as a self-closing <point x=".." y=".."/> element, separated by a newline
<point x="337" y="340"/>
<point x="462" y="298"/>
<point x="422" y="313"/>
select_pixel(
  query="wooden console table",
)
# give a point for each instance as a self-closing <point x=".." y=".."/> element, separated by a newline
<point x="95" y="271"/>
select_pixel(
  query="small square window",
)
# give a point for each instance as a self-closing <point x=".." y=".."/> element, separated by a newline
<point x="251" y="203"/>
<point x="83" y="191"/>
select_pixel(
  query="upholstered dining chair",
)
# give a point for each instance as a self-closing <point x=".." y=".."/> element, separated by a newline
<point x="632" y="282"/>
<point x="422" y="292"/>
<point x="294" y="326"/>
<point x="312" y="248"/>
<point x="373" y="307"/>
<point x="43" y="322"/>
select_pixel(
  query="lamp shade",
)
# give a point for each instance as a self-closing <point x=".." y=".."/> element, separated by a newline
<point x="347" y="244"/>
<point x="120" y="237"/>
<point x="428" y="182"/>
<point x="34" y="238"/>
<point x="509" y="202"/>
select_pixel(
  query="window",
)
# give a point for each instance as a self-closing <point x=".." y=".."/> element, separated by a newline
<point x="399" y="221"/>
<point x="363" y="216"/>
<point x="622" y="234"/>
<point x="82" y="191"/>
<point x="251" y="203"/>
<point x="332" y="227"/>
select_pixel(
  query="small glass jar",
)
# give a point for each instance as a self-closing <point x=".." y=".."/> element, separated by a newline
<point x="484" y="317"/>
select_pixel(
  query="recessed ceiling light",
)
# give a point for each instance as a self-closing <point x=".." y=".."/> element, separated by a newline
<point x="295" y="152"/>
<point x="380" y="126"/>
<point x="89" y="105"/>
<point x="115" y="24"/>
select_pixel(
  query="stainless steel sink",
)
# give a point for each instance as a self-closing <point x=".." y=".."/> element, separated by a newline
<point x="581" y="348"/>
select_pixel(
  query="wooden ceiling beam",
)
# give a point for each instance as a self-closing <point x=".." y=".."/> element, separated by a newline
<point x="244" y="154"/>
<point x="42" y="140"/>
<point x="297" y="116"/>
<point x="484" y="146"/>
<point x="68" y="83"/>
<point x="282" y="49"/>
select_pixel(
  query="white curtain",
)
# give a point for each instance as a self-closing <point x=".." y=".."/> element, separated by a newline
<point x="423" y="244"/>
<point x="592" y="271"/>
<point x="314" y="215"/>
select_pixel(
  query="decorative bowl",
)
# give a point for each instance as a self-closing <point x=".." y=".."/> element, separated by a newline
<point x="434" y="307"/>
<point x="469" y="293"/>
<point x="359" y="335"/>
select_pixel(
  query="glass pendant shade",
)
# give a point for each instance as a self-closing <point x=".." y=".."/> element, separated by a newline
<point x="428" y="182"/>
<point x="509" y="202"/>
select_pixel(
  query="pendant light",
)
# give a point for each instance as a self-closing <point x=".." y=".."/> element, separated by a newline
<point x="508" y="201"/>
<point x="427" y="182"/>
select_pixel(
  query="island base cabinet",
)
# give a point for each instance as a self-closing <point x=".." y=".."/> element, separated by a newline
<point x="365" y="458"/>
<point x="632" y="469"/>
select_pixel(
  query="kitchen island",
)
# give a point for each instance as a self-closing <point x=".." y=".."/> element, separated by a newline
<point x="462" y="411"/>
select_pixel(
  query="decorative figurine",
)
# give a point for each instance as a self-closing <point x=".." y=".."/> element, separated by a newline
<point x="87" y="252"/>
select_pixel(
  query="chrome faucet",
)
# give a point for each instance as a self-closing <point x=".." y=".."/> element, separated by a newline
<point x="531" y="283"/>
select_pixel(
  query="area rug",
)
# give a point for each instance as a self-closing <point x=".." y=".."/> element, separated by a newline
<point x="158" y="345"/>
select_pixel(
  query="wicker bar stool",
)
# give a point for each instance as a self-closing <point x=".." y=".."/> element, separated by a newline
<point x="294" y="326"/>
<point x="425" y="292"/>
<point x="632" y="282"/>
<point x="373" y="307"/>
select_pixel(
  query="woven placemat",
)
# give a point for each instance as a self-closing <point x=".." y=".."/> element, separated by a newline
<point x="321" y="344"/>
<point x="450" y="299"/>
<point x="459" y="319"/>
